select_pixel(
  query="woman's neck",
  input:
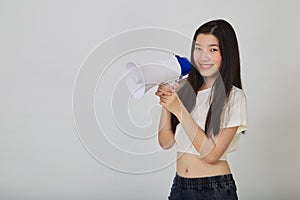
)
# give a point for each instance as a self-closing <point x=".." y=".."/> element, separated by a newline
<point x="208" y="83"/>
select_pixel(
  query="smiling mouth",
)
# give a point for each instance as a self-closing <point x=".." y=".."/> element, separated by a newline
<point x="206" y="65"/>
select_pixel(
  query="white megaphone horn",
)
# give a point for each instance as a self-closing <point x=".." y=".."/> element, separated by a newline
<point x="140" y="78"/>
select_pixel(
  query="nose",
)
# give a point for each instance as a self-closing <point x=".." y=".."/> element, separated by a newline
<point x="204" y="56"/>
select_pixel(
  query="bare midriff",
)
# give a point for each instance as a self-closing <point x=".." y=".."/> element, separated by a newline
<point x="191" y="166"/>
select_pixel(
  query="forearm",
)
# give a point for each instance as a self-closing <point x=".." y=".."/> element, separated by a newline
<point x="209" y="149"/>
<point x="165" y="133"/>
<point x="193" y="131"/>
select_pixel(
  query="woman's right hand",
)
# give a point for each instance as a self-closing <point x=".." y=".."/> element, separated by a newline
<point x="164" y="89"/>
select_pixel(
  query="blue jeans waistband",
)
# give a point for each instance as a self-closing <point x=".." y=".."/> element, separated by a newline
<point x="204" y="182"/>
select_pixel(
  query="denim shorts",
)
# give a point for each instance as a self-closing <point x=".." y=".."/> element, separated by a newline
<point x="220" y="187"/>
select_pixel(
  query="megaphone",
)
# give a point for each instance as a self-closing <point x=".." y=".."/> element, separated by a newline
<point x="140" y="78"/>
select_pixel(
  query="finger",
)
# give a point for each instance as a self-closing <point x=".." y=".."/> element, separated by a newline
<point x="163" y="92"/>
<point x="164" y="98"/>
<point x="158" y="93"/>
<point x="163" y="105"/>
<point x="175" y="86"/>
<point x="165" y="87"/>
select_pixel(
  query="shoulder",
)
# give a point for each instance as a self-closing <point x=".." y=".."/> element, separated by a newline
<point x="237" y="92"/>
<point x="237" y="95"/>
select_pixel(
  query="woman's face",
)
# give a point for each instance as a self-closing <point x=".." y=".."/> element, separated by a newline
<point x="207" y="55"/>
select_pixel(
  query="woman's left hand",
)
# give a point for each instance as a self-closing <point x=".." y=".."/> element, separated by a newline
<point x="172" y="103"/>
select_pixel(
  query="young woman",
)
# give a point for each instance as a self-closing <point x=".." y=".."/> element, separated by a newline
<point x="205" y="116"/>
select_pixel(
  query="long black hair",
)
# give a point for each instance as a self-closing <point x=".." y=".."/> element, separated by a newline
<point x="229" y="75"/>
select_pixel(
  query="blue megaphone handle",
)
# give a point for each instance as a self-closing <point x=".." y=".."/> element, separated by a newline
<point x="184" y="64"/>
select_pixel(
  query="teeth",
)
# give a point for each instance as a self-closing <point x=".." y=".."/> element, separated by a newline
<point x="206" y="65"/>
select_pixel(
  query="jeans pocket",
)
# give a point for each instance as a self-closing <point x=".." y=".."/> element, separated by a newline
<point x="175" y="193"/>
<point x="231" y="192"/>
<point x="225" y="193"/>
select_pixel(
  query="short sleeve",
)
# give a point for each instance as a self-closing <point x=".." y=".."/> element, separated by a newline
<point x="235" y="113"/>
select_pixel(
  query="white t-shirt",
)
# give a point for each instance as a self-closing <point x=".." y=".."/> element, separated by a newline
<point x="234" y="114"/>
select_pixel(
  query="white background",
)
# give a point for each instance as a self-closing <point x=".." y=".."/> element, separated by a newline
<point x="44" y="43"/>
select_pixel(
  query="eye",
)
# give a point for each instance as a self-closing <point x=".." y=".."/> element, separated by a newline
<point x="214" y="50"/>
<point x="198" y="49"/>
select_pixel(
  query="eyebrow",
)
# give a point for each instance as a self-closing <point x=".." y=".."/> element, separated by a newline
<point x="211" y="45"/>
